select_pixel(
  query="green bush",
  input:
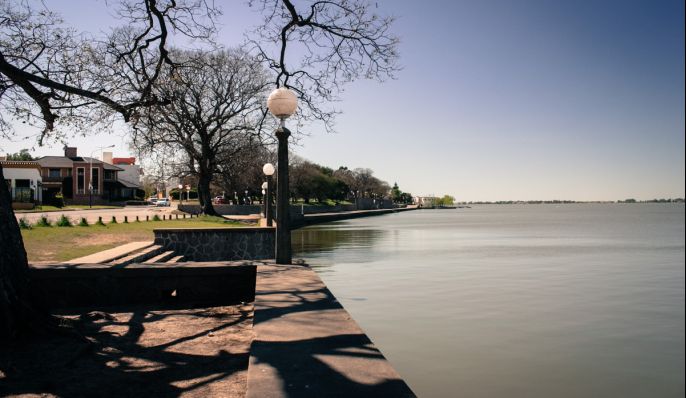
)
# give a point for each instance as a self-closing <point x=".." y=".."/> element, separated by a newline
<point x="59" y="200"/>
<point x="43" y="221"/>
<point x="24" y="223"/>
<point x="63" y="221"/>
<point x="83" y="222"/>
<point x="156" y="218"/>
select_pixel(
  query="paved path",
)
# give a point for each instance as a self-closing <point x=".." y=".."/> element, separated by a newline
<point x="307" y="345"/>
<point x="106" y="214"/>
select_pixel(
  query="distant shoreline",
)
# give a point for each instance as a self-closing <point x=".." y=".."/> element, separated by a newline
<point x="561" y="202"/>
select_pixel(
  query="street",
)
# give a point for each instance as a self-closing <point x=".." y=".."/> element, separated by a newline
<point x="92" y="215"/>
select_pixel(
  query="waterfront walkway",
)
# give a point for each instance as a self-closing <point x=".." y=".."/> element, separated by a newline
<point x="307" y="345"/>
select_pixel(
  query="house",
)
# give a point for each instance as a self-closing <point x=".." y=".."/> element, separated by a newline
<point x="425" y="201"/>
<point x="129" y="176"/>
<point x="23" y="179"/>
<point x="80" y="180"/>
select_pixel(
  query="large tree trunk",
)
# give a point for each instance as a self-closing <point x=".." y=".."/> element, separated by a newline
<point x="14" y="270"/>
<point x="204" y="195"/>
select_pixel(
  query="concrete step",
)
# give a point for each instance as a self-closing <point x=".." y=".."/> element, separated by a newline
<point x="160" y="258"/>
<point x="107" y="256"/>
<point x="138" y="257"/>
<point x="176" y="259"/>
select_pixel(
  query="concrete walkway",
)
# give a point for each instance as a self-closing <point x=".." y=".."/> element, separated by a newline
<point x="307" y="345"/>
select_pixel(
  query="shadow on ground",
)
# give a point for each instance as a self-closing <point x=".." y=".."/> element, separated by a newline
<point x="142" y="352"/>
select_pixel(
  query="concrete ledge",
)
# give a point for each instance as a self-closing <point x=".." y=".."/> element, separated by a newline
<point x="307" y="345"/>
<point x="311" y="219"/>
<point x="187" y="284"/>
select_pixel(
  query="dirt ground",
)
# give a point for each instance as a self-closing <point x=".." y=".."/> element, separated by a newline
<point x="143" y="352"/>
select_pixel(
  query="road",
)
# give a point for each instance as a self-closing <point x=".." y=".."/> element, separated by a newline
<point x="92" y="215"/>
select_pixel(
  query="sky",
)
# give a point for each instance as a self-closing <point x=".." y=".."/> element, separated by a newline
<point x="497" y="100"/>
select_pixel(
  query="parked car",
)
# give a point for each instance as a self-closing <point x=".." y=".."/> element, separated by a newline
<point x="152" y="200"/>
<point x="219" y="200"/>
<point x="163" y="202"/>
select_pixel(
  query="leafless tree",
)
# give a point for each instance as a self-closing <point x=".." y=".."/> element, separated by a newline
<point x="217" y="110"/>
<point x="51" y="72"/>
<point x="318" y="47"/>
<point x="242" y="171"/>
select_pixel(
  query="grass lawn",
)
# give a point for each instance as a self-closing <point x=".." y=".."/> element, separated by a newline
<point x="55" y="244"/>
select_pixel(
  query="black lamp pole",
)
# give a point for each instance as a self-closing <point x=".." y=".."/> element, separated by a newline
<point x="283" y="232"/>
<point x="268" y="202"/>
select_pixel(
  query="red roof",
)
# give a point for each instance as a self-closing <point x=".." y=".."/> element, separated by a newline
<point x="124" y="160"/>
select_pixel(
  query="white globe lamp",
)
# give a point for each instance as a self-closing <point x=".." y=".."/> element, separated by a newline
<point x="268" y="169"/>
<point x="282" y="103"/>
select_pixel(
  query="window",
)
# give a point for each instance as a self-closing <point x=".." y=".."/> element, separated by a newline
<point x="54" y="173"/>
<point x="80" y="180"/>
<point x="22" y="191"/>
<point x="68" y="172"/>
<point x="95" y="180"/>
<point x="109" y="175"/>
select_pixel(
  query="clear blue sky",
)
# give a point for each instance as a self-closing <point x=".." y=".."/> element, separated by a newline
<point x="503" y="99"/>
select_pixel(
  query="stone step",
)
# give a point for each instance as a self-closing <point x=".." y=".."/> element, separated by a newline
<point x="107" y="256"/>
<point x="175" y="260"/>
<point x="160" y="258"/>
<point x="138" y="257"/>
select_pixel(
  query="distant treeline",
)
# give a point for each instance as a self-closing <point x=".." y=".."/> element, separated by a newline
<point x="540" y="202"/>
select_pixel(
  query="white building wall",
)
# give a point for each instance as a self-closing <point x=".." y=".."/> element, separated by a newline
<point x="13" y="174"/>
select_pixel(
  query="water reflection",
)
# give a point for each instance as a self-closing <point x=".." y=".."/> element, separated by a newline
<point x="321" y="241"/>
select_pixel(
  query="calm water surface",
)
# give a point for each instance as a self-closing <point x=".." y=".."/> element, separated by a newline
<point x="521" y="301"/>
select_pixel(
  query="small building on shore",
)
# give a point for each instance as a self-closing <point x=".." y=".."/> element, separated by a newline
<point x="426" y="201"/>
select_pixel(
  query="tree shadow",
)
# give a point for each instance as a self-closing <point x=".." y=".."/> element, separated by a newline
<point x="296" y="337"/>
<point x="144" y="352"/>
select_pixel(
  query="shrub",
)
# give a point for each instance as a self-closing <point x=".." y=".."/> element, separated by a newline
<point x="59" y="200"/>
<point x="43" y="221"/>
<point x="156" y="218"/>
<point x="24" y="223"/>
<point x="83" y="222"/>
<point x="63" y="221"/>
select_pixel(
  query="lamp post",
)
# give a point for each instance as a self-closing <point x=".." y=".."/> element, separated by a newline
<point x="90" y="179"/>
<point x="188" y="193"/>
<point x="268" y="170"/>
<point x="180" y="194"/>
<point x="282" y="103"/>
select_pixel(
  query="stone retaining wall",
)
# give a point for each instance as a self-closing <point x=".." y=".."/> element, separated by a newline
<point x="218" y="244"/>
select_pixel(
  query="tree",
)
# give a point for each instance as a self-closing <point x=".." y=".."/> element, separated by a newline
<point x="242" y="171"/>
<point x="49" y="72"/>
<point x="331" y="42"/>
<point x="23" y="154"/>
<point x="396" y="193"/>
<point x="216" y="111"/>
<point x="446" y="200"/>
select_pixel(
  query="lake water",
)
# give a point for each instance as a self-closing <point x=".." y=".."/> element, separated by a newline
<point x="518" y="301"/>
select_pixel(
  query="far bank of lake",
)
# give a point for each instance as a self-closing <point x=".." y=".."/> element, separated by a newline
<point x="516" y="300"/>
